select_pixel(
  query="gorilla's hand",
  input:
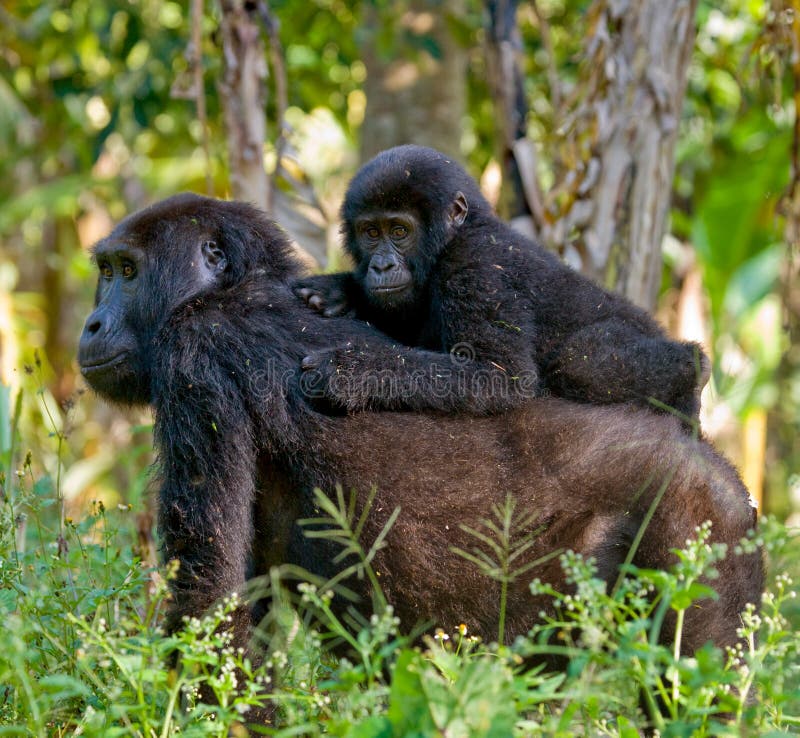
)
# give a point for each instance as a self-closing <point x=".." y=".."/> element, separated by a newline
<point x="343" y="377"/>
<point x="327" y="294"/>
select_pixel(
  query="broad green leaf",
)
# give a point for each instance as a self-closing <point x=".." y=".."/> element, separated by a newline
<point x="408" y="705"/>
<point x="377" y="726"/>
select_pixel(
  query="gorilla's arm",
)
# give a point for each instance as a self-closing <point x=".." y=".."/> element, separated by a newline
<point x="207" y="461"/>
<point x="386" y="376"/>
<point x="330" y="295"/>
<point x="485" y="365"/>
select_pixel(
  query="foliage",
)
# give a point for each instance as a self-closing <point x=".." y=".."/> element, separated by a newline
<point x="90" y="129"/>
<point x="83" y="652"/>
<point x="732" y="171"/>
<point x="732" y="160"/>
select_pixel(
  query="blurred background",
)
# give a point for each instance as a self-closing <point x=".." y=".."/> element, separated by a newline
<point x="654" y="144"/>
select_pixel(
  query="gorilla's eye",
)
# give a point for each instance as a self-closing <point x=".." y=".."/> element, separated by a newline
<point x="372" y="232"/>
<point x="399" y="231"/>
<point x="105" y="270"/>
<point x="128" y="270"/>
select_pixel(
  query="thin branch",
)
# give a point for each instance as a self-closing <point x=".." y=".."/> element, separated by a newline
<point x="276" y="60"/>
<point x="508" y="94"/>
<point x="552" y="73"/>
<point x="790" y="204"/>
<point x="196" y="60"/>
<point x="524" y="152"/>
<point x="243" y="90"/>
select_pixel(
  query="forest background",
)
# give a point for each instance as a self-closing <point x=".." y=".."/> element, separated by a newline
<point x="618" y="133"/>
<point x="654" y="144"/>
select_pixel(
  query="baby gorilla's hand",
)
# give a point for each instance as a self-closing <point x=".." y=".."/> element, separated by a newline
<point x="341" y="376"/>
<point x="324" y="294"/>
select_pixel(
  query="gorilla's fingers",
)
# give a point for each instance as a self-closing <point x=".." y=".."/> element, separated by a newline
<point x="337" y="310"/>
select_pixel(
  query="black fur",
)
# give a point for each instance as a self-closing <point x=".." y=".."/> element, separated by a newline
<point x="240" y="450"/>
<point x="528" y="324"/>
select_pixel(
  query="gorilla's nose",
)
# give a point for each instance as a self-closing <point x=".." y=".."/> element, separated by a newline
<point x="382" y="264"/>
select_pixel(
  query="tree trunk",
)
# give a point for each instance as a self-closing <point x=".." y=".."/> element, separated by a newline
<point x="637" y="107"/>
<point x="503" y="46"/>
<point x="785" y="422"/>
<point x="416" y="82"/>
<point x="243" y="92"/>
<point x="243" y="95"/>
<point x="59" y="239"/>
<point x="608" y="210"/>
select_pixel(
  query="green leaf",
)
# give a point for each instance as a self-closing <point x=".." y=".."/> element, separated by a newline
<point x="373" y="727"/>
<point x="754" y="279"/>
<point x="59" y="197"/>
<point x="626" y="728"/>
<point x="63" y="686"/>
<point x="408" y="704"/>
<point x="696" y="591"/>
<point x="8" y="600"/>
<point x="734" y="218"/>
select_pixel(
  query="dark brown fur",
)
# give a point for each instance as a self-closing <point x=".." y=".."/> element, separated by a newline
<point x="240" y="449"/>
<point x="589" y="474"/>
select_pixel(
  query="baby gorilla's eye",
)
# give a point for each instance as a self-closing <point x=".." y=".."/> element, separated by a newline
<point x="128" y="270"/>
<point x="105" y="270"/>
<point x="372" y="232"/>
<point x="399" y="231"/>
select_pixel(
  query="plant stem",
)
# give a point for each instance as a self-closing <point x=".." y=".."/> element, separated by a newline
<point x="676" y="654"/>
<point x="501" y="624"/>
<point x="173" y="699"/>
<point x="643" y="527"/>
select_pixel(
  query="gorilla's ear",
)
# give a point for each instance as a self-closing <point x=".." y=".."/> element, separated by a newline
<point x="457" y="212"/>
<point x="214" y="258"/>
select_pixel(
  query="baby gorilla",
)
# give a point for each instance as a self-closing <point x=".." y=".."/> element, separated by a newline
<point x="437" y="271"/>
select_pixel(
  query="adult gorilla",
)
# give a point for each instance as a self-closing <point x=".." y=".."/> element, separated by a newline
<point x="439" y="272"/>
<point x="196" y="316"/>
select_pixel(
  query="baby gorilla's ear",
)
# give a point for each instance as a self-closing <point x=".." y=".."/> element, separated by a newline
<point x="457" y="212"/>
<point x="213" y="258"/>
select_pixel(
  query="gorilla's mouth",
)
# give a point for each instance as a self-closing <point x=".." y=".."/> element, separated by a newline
<point x="89" y="366"/>
<point x="389" y="288"/>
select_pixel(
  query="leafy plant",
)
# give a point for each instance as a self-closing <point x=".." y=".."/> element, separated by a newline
<point x="503" y="542"/>
<point x="83" y="652"/>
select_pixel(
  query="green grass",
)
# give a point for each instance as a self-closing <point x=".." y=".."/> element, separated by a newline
<point x="82" y="651"/>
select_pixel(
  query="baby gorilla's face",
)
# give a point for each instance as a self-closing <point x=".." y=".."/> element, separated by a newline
<point x="388" y="243"/>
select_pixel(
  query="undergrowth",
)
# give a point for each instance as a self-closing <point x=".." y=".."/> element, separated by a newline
<point x="82" y="651"/>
